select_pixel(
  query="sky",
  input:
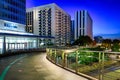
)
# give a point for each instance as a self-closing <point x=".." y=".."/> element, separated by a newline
<point x="104" y="13"/>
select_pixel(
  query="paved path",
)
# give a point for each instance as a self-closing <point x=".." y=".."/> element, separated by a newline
<point x="37" y="67"/>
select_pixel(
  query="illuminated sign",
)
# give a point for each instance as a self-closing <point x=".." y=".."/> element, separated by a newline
<point x="10" y="25"/>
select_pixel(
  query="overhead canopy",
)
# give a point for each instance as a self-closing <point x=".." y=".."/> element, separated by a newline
<point x="13" y="33"/>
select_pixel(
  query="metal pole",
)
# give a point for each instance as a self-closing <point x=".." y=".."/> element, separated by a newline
<point x="76" y="61"/>
<point x="47" y="51"/>
<point x="63" y="62"/>
<point x="103" y="55"/>
<point x="101" y="62"/>
<point x="100" y="66"/>
<point x="55" y="56"/>
<point x="66" y="61"/>
<point x="51" y="54"/>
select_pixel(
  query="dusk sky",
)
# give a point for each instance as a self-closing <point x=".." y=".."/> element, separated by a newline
<point x="105" y="13"/>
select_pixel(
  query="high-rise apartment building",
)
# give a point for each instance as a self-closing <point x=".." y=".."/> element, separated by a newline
<point x="83" y="24"/>
<point x="49" y="20"/>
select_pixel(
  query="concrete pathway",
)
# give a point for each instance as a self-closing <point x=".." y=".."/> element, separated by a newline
<point x="37" y="67"/>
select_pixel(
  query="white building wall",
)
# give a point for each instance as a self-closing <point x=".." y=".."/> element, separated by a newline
<point x="36" y="21"/>
<point x="75" y="26"/>
<point x="54" y="22"/>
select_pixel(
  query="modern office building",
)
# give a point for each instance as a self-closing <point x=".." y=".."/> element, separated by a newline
<point x="83" y="24"/>
<point x="12" y="27"/>
<point x="49" y="20"/>
<point x="12" y="15"/>
<point x="72" y="30"/>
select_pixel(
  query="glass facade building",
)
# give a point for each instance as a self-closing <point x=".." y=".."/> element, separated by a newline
<point x="72" y="30"/>
<point x="83" y="24"/>
<point x="12" y="15"/>
<point x="12" y="28"/>
<point x="13" y="10"/>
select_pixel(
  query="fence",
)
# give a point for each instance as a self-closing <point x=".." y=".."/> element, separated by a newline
<point x="90" y="64"/>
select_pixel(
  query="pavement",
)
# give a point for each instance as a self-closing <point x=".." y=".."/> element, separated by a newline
<point x="33" y="67"/>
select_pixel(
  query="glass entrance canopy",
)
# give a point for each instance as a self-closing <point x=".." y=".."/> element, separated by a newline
<point x="14" y="41"/>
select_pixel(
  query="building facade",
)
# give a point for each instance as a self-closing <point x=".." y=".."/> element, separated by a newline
<point x="12" y="15"/>
<point x="49" y="20"/>
<point x="72" y="30"/>
<point x="13" y="36"/>
<point x="83" y="24"/>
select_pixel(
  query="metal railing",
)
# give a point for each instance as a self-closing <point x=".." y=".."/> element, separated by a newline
<point x="90" y="64"/>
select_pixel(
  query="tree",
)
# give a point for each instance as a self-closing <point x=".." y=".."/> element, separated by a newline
<point x="107" y="43"/>
<point x="83" y="41"/>
<point x="116" y="45"/>
<point x="116" y="41"/>
<point x="98" y="39"/>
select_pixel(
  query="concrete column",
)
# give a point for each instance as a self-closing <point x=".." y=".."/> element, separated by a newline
<point x="8" y="46"/>
<point x="14" y="45"/>
<point x="4" y="44"/>
<point x="37" y="43"/>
